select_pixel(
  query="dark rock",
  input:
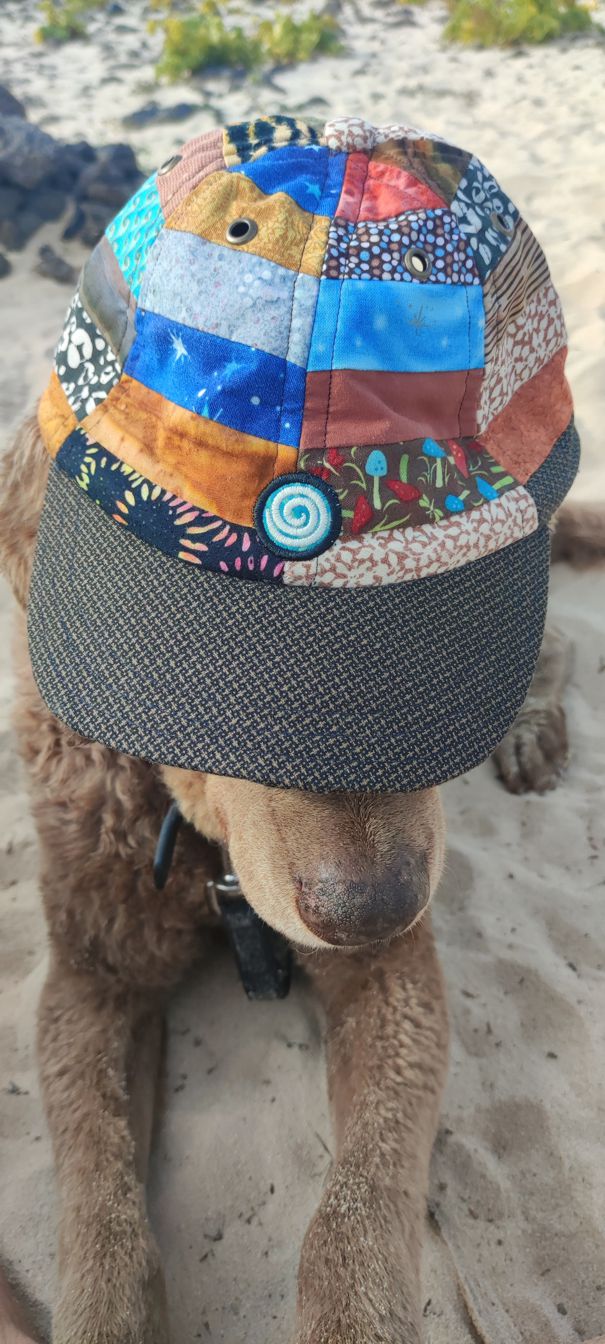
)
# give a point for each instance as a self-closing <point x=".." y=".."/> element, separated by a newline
<point x="11" y="200"/>
<point x="154" y="114"/>
<point x="112" y="178"/>
<point x="89" y="222"/>
<point x="54" y="267"/>
<point x="114" y="8"/>
<point x="71" y="162"/>
<point x="9" y="105"/>
<point x="121" y="157"/>
<point x="73" y="226"/>
<point x="5" y="266"/>
<point x="40" y="176"/>
<point x="27" y="154"/>
<point x="80" y="151"/>
<point x="16" y="232"/>
<point x="48" y="203"/>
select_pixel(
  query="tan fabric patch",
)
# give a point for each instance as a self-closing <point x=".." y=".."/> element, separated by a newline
<point x="417" y="552"/>
<point x="55" y="416"/>
<point x="284" y="230"/>
<point x="217" y="468"/>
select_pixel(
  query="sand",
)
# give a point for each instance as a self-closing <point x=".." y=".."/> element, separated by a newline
<point x="515" y="1251"/>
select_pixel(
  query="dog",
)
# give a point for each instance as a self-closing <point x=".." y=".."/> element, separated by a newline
<point x="344" y="876"/>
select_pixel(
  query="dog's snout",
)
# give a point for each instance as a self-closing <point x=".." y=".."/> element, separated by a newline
<point x="348" y="911"/>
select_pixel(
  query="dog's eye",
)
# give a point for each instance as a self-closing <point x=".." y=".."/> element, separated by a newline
<point x="418" y="263"/>
<point x="241" y="231"/>
<point x="501" y="223"/>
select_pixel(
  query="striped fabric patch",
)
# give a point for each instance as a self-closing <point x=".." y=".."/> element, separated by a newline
<point x="232" y="294"/>
<point x="246" y="140"/>
<point x="397" y="328"/>
<point x="522" y="271"/>
<point x="525" y="345"/>
<point x="224" y="381"/>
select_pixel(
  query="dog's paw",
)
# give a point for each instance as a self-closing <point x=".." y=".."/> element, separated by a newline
<point x="95" y="1309"/>
<point x="535" y="752"/>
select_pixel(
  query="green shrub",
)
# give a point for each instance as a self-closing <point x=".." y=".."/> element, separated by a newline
<point x="287" y="41"/>
<point x="505" y="22"/>
<point x="63" y="19"/>
<point x="195" y="41"/>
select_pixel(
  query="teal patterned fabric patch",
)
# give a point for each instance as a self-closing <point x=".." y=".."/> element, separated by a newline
<point x="134" y="231"/>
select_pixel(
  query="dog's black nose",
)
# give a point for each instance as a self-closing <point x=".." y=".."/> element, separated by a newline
<point x="350" y="911"/>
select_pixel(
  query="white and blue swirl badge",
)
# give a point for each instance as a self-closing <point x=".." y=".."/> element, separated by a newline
<point x="298" y="516"/>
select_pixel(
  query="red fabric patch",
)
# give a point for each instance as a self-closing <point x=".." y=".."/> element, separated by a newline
<point x="353" y="184"/>
<point x="391" y="191"/>
<point x="374" y="190"/>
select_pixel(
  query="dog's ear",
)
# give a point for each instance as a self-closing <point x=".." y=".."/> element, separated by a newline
<point x="23" y="474"/>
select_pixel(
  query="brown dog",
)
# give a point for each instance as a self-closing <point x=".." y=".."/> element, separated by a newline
<point x="345" y="871"/>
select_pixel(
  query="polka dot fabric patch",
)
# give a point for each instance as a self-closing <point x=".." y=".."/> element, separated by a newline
<point x="377" y="251"/>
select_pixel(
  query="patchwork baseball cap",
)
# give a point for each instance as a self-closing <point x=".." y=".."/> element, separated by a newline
<point x="308" y="424"/>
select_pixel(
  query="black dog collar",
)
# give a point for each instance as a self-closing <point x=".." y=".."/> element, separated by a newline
<point x="262" y="955"/>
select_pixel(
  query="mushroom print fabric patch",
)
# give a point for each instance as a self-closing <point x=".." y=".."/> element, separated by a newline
<point x="86" y="365"/>
<point x="409" y="484"/>
<point x="259" y="406"/>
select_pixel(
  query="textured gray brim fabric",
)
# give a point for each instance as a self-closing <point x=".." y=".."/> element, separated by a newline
<point x="398" y="687"/>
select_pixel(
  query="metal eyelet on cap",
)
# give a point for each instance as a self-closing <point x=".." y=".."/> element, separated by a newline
<point x="169" y="164"/>
<point x="418" y="263"/>
<point x="499" y="222"/>
<point x="241" y="230"/>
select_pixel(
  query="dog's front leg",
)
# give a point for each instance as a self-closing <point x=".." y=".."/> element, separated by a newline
<point x="111" y="1288"/>
<point x="359" y="1280"/>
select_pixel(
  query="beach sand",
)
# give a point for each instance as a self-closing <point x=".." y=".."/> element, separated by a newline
<point x="515" y="1252"/>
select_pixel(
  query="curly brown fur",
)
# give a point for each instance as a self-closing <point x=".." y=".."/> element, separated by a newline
<point x="117" y="946"/>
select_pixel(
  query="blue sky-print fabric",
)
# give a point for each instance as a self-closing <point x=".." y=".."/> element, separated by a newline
<point x="309" y="174"/>
<point x="226" y="381"/>
<point x="397" y="328"/>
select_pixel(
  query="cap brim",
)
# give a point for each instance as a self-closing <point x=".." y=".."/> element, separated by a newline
<point x="397" y="687"/>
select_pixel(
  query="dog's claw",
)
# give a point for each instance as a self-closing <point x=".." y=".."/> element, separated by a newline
<point x="535" y="752"/>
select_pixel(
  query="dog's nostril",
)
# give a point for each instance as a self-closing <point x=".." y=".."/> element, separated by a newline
<point x="357" y="911"/>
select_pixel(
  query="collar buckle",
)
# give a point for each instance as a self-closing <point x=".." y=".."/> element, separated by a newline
<point x="263" y="956"/>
